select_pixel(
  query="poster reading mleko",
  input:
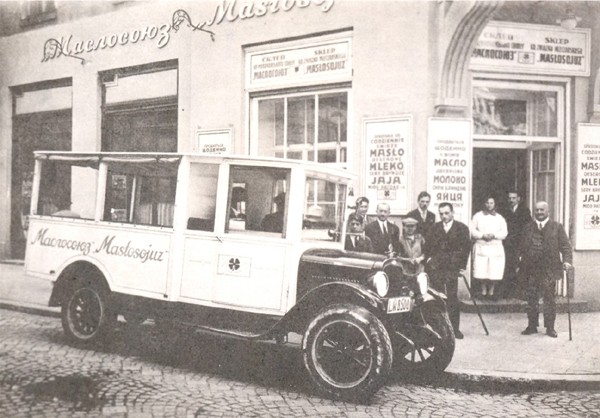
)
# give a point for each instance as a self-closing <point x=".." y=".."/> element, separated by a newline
<point x="588" y="187"/>
<point x="388" y="152"/>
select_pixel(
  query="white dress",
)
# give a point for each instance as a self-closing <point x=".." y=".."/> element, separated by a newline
<point x="488" y="256"/>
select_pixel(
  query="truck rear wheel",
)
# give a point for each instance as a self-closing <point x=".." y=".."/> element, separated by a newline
<point x="86" y="315"/>
<point x="347" y="352"/>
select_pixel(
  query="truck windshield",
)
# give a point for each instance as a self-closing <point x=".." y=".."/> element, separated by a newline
<point x="324" y="205"/>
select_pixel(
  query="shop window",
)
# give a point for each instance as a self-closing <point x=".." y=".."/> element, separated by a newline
<point x="140" y="109"/>
<point x="512" y="112"/>
<point x="310" y="127"/>
<point x="323" y="208"/>
<point x="543" y="164"/>
<point x="257" y="200"/>
<point x="34" y="12"/>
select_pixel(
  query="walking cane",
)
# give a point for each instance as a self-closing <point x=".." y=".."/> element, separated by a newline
<point x="571" y="270"/>
<point x="475" y="304"/>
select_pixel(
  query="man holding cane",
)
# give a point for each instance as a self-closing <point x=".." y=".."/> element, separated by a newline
<point x="447" y="249"/>
<point x="544" y="252"/>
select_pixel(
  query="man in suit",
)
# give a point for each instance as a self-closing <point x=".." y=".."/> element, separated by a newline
<point x="517" y="216"/>
<point x="447" y="249"/>
<point x="384" y="235"/>
<point x="544" y="252"/>
<point x="425" y="217"/>
<point x="356" y="239"/>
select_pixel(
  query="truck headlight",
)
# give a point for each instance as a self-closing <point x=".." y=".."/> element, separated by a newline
<point x="423" y="282"/>
<point x="380" y="282"/>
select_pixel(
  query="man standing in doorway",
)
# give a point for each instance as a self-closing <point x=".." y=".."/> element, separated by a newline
<point x="447" y="249"/>
<point x="544" y="252"/>
<point x="384" y="235"/>
<point x="517" y="216"/>
<point x="425" y="217"/>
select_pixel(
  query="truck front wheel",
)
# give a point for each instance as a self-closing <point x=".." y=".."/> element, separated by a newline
<point x="347" y="352"/>
<point x="86" y="315"/>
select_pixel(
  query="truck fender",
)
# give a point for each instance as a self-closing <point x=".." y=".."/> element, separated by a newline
<point x="297" y="318"/>
<point x="67" y="278"/>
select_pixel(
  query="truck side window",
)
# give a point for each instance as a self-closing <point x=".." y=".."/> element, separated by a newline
<point x="257" y="200"/>
<point x="202" y="196"/>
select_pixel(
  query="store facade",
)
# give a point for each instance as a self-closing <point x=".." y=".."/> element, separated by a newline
<point x="458" y="98"/>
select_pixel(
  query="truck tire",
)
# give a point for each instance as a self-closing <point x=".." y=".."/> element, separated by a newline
<point x="429" y="356"/>
<point x="86" y="315"/>
<point x="347" y="352"/>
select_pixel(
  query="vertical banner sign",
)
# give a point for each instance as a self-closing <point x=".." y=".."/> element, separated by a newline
<point x="587" y="232"/>
<point x="388" y="142"/>
<point x="449" y="161"/>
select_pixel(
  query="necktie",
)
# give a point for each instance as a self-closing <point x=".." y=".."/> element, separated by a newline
<point x="384" y="228"/>
<point x="540" y="226"/>
<point x="353" y="238"/>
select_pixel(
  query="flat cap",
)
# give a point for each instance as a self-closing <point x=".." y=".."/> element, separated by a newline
<point x="409" y="221"/>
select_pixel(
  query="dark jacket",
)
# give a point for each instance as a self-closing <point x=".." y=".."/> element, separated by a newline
<point x="380" y="242"/>
<point x="450" y="250"/>
<point x="555" y="243"/>
<point x="424" y="225"/>
<point x="363" y="244"/>
<point x="515" y="222"/>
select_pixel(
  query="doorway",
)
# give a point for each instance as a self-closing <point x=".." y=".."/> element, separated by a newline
<point x="496" y="172"/>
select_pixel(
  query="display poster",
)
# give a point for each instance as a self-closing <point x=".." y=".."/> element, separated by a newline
<point x="328" y="61"/>
<point x="540" y="49"/>
<point x="449" y="161"/>
<point x="388" y="154"/>
<point x="587" y="233"/>
<point x="214" y="141"/>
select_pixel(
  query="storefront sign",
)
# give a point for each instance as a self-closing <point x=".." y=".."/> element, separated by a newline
<point x="449" y="160"/>
<point x="388" y="153"/>
<point x="214" y="141"/>
<point x="540" y="49"/>
<point x="323" y="62"/>
<point x="587" y="236"/>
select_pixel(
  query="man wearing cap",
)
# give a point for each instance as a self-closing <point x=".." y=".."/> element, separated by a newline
<point x="412" y="244"/>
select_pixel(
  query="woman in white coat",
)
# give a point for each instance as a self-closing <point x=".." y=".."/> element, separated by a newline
<point x="488" y="229"/>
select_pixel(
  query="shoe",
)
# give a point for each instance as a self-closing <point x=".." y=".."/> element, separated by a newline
<point x="529" y="331"/>
<point x="550" y="332"/>
<point x="458" y="335"/>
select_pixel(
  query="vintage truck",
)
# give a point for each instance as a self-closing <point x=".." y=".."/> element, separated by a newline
<point x="250" y="247"/>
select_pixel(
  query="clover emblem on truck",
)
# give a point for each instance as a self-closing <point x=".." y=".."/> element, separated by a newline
<point x="234" y="264"/>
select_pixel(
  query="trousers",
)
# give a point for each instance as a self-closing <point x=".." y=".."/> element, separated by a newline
<point x="447" y="283"/>
<point x="540" y="284"/>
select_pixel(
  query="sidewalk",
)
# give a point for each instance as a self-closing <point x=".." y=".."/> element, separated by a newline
<point x="505" y="353"/>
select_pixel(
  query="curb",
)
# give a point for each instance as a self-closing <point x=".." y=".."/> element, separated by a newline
<point x="30" y="308"/>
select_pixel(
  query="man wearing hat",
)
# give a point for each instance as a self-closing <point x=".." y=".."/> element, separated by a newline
<point x="412" y="243"/>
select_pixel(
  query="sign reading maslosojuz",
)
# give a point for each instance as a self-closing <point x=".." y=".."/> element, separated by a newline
<point x="449" y="164"/>
<point x="323" y="62"/>
<point x="536" y="49"/>
<point x="588" y="187"/>
<point x="388" y="151"/>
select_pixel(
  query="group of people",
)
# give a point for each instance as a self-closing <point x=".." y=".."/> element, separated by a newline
<point x="511" y="248"/>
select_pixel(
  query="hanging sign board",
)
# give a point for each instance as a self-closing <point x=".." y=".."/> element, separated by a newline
<point x="587" y="232"/>
<point x="388" y="151"/>
<point x="328" y="61"/>
<point x="449" y="161"/>
<point x="214" y="141"/>
<point x="525" y="48"/>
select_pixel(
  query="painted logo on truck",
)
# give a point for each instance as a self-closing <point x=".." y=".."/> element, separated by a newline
<point x="110" y="245"/>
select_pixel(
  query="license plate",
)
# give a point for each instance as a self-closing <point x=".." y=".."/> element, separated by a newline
<point x="401" y="304"/>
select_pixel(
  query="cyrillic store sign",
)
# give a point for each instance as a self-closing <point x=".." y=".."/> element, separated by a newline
<point x="587" y="231"/>
<point x="327" y="61"/>
<point x="449" y="162"/>
<point x="525" y="48"/>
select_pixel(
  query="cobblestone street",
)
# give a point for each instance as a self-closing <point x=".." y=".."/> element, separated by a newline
<point x="140" y="374"/>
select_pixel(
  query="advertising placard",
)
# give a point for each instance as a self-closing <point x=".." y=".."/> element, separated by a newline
<point x="214" y="141"/>
<point x="587" y="232"/>
<point x="449" y="161"/>
<point x="540" y="49"/>
<point x="327" y="61"/>
<point x="388" y="151"/>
